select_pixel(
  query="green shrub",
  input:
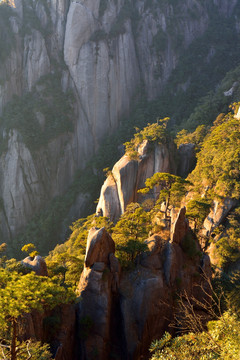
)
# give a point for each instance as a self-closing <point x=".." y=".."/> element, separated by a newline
<point x="218" y="164"/>
<point x="154" y="133"/>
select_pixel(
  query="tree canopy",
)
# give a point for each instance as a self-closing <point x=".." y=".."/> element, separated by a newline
<point x="168" y="188"/>
<point x="221" y="341"/>
<point x="130" y="232"/>
<point x="19" y="295"/>
<point x="218" y="164"/>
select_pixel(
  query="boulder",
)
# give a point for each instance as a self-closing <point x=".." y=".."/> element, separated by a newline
<point x="37" y="264"/>
<point x="99" y="246"/>
<point x="109" y="204"/>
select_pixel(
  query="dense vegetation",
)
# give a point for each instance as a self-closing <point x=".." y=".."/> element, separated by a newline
<point x="219" y="338"/>
<point x="65" y="262"/>
<point x="153" y="133"/>
<point x="40" y="115"/>
<point x="21" y="292"/>
<point x="193" y="97"/>
<point x="218" y="163"/>
<point x="220" y="341"/>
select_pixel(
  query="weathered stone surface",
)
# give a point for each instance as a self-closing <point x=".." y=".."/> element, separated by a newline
<point x="217" y="214"/>
<point x="37" y="60"/>
<point x="27" y="181"/>
<point x="125" y="175"/>
<point x="154" y="244"/>
<point x="99" y="246"/>
<point x="154" y="258"/>
<point x="103" y="74"/>
<point x="128" y="176"/>
<point x="97" y="288"/>
<point x="142" y="310"/>
<point x="109" y="204"/>
<point x="147" y="301"/>
<point x="131" y="310"/>
<point x="180" y="227"/>
<point x="151" y="261"/>
<point x="95" y="305"/>
<point x="37" y="264"/>
<point x="99" y="266"/>
<point x="173" y="262"/>
<point x="80" y="25"/>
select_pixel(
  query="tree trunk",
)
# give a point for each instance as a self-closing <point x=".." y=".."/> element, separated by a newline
<point x="13" y="342"/>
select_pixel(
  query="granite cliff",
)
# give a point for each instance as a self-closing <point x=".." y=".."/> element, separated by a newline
<point x="128" y="309"/>
<point x="98" y="53"/>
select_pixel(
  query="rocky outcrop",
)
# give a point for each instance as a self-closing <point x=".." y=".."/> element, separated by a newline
<point x="98" y="285"/>
<point x="38" y="265"/>
<point x="101" y="51"/>
<point x="99" y="246"/>
<point x="126" y="317"/>
<point x="128" y="176"/>
<point x="179" y="227"/>
<point x="217" y="214"/>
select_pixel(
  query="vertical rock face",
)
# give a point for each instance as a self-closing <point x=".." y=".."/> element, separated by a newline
<point x="62" y="338"/>
<point x="98" y="283"/>
<point x="180" y="227"/>
<point x="27" y="181"/>
<point x="218" y="214"/>
<point x="128" y="176"/>
<point x="122" y="313"/>
<point x="36" y="60"/>
<point x="102" y="51"/>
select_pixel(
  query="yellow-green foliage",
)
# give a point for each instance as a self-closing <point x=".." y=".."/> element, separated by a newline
<point x="67" y="259"/>
<point x="30" y="249"/>
<point x="171" y="188"/>
<point x="227" y="247"/>
<point x="221" y="341"/>
<point x="130" y="232"/>
<point x="20" y="294"/>
<point x="218" y="165"/>
<point x="197" y="210"/>
<point x="196" y="137"/>
<point x="156" y="132"/>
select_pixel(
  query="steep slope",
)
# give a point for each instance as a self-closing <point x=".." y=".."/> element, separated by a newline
<point x="103" y="52"/>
